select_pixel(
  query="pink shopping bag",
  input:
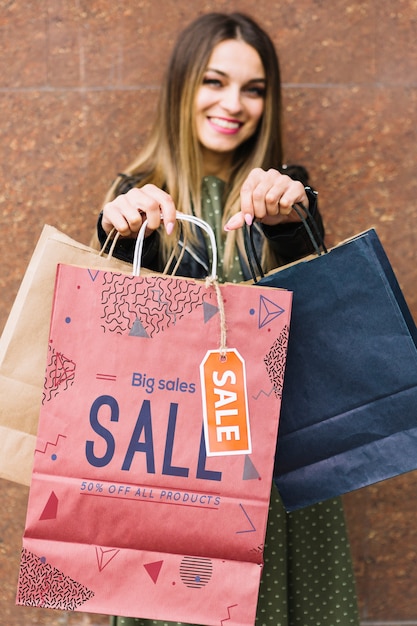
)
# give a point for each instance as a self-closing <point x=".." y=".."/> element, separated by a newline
<point x="155" y="450"/>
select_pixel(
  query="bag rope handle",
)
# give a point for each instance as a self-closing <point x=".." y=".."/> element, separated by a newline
<point x="113" y="236"/>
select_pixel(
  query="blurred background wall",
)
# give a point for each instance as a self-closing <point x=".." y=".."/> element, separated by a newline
<point x="79" y="81"/>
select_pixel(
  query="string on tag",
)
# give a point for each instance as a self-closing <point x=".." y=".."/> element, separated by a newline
<point x="213" y="282"/>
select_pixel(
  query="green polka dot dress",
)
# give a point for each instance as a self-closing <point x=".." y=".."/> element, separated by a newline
<point x="307" y="577"/>
<point x="212" y="212"/>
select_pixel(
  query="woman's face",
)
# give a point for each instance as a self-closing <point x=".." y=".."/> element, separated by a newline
<point x="230" y="101"/>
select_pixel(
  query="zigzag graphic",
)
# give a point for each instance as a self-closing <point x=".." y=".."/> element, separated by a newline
<point x="50" y="443"/>
<point x="264" y="393"/>
<point x="226" y="619"/>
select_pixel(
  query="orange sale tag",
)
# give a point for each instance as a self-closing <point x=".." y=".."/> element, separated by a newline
<point x="225" y="404"/>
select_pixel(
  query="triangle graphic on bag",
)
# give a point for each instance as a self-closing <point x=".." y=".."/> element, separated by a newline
<point x="104" y="556"/>
<point x="138" y="330"/>
<point x="153" y="569"/>
<point x="51" y="508"/>
<point x="209" y="311"/>
<point x="249" y="470"/>
<point x="268" y="311"/>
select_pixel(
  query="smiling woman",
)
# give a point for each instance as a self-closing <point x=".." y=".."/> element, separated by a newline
<point x="224" y="163"/>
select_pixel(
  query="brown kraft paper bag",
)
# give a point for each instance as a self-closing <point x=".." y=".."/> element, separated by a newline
<point x="24" y="343"/>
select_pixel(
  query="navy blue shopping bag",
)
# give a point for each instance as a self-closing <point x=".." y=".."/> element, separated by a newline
<point x="349" y="405"/>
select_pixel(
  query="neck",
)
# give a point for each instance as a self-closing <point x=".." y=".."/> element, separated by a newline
<point x="216" y="164"/>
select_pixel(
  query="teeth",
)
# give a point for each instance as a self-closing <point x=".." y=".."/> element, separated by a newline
<point x="225" y="123"/>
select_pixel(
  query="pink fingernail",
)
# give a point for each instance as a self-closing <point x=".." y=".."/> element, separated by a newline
<point x="248" y="219"/>
<point x="169" y="227"/>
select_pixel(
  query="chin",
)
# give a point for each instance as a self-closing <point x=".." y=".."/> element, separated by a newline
<point x="221" y="146"/>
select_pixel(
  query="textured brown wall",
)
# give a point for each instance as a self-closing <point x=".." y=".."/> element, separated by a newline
<point x="78" y="85"/>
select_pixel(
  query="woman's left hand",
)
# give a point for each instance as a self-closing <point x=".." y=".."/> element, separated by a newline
<point x="268" y="196"/>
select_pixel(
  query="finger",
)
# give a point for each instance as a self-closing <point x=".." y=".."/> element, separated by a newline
<point x="293" y="194"/>
<point x="282" y="193"/>
<point x="157" y="204"/>
<point x="264" y="190"/>
<point x="236" y="221"/>
<point x="119" y="214"/>
<point x="273" y="197"/>
<point x="247" y="201"/>
<point x="127" y="212"/>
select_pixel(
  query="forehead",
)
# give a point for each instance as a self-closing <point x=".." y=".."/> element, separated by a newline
<point x="234" y="57"/>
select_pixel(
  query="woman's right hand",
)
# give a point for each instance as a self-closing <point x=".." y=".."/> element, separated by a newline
<point x="127" y="212"/>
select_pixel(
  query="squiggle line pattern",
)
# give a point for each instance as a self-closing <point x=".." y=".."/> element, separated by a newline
<point x="275" y="361"/>
<point x="59" y="376"/>
<point x="157" y="301"/>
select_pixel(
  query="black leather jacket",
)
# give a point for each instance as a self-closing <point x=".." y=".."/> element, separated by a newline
<point x="289" y="242"/>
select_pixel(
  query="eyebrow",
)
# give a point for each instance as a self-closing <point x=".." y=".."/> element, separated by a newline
<point x="252" y="80"/>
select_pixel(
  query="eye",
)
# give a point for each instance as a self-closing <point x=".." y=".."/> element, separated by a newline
<point x="255" y="91"/>
<point x="212" y="82"/>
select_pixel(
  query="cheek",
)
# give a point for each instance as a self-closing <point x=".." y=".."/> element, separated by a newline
<point x="257" y="111"/>
<point x="203" y="100"/>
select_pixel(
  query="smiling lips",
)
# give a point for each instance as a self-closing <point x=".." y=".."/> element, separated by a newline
<point x="224" y="125"/>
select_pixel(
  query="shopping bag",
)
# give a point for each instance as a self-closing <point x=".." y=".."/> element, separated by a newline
<point x="155" y="450"/>
<point x="349" y="406"/>
<point x="23" y="348"/>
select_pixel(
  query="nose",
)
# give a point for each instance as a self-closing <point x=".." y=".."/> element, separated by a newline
<point x="231" y="99"/>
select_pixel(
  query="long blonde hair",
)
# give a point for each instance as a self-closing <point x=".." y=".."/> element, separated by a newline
<point x="171" y="159"/>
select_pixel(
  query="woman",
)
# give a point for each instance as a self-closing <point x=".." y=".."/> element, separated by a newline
<point x="216" y="151"/>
